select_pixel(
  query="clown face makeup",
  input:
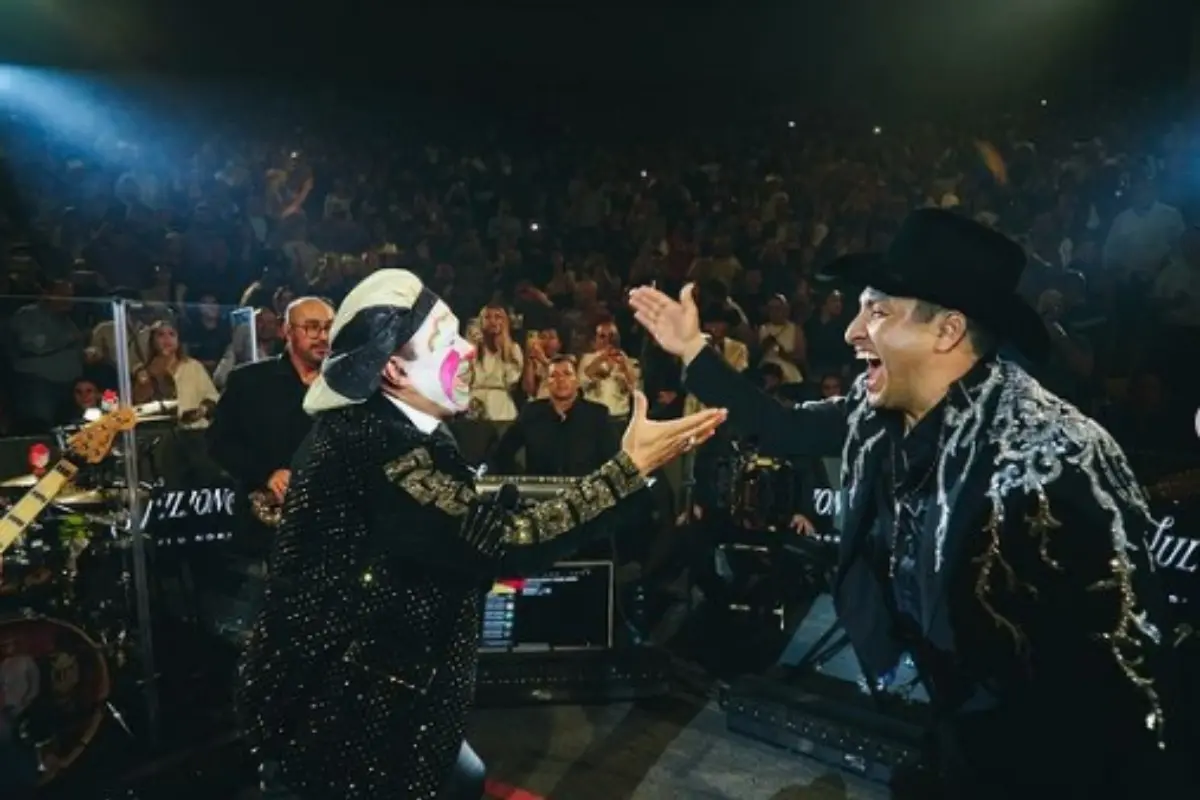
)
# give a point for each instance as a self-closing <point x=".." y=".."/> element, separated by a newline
<point x="439" y="363"/>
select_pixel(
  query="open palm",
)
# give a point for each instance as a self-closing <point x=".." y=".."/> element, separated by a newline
<point x="673" y="324"/>
<point x="651" y="444"/>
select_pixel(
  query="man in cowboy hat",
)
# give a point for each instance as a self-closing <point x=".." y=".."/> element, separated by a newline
<point x="992" y="531"/>
<point x="358" y="678"/>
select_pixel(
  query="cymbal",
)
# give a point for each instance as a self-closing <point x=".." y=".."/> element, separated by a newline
<point x="85" y="498"/>
<point x="20" y="482"/>
<point x="73" y="496"/>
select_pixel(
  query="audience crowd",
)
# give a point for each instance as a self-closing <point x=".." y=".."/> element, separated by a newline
<point x="538" y="246"/>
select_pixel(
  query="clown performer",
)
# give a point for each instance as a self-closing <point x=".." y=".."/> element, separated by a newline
<point x="361" y="668"/>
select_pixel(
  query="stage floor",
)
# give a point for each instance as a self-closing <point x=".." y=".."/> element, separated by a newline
<point x="673" y="747"/>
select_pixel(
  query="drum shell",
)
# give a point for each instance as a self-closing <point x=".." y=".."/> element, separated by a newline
<point x="54" y="688"/>
<point x="38" y="569"/>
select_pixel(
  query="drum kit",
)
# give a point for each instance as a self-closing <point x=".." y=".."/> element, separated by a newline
<point x="67" y="598"/>
<point x="766" y="560"/>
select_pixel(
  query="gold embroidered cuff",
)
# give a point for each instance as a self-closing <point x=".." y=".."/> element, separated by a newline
<point x="587" y="499"/>
<point x="415" y="474"/>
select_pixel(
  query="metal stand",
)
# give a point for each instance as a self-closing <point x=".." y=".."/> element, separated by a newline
<point x="141" y="578"/>
<point x="827" y="646"/>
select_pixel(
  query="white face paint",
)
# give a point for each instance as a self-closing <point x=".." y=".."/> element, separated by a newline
<point x="440" y="366"/>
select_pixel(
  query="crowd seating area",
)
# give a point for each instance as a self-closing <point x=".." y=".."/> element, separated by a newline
<point x="535" y="247"/>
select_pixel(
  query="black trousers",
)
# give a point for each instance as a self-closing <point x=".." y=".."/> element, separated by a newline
<point x="465" y="781"/>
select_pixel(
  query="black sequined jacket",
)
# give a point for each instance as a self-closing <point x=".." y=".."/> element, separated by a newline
<point x="1037" y="547"/>
<point x="361" y="670"/>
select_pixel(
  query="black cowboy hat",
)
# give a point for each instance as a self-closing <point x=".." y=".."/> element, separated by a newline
<point x="945" y="258"/>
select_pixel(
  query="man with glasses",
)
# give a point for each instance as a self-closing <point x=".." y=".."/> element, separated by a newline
<point x="259" y="421"/>
<point x="257" y="427"/>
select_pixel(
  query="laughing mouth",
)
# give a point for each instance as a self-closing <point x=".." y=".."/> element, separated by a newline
<point x="874" y="369"/>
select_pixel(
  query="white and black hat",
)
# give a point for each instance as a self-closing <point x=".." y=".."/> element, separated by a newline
<point x="375" y="320"/>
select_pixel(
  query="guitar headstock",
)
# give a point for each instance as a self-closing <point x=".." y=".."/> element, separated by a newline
<point x="93" y="441"/>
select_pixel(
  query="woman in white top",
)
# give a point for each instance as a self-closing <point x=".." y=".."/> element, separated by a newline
<point x="782" y="341"/>
<point x="497" y="367"/>
<point x="179" y="377"/>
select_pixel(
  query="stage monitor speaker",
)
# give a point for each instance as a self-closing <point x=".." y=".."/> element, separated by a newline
<point x="817" y="703"/>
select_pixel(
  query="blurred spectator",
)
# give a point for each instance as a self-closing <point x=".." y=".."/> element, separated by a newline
<point x="85" y="397"/>
<point x="832" y="386"/>
<point x="244" y="348"/>
<point x="718" y="323"/>
<point x="722" y="266"/>
<point x="46" y="353"/>
<point x="610" y="375"/>
<point x="826" y="337"/>
<point x="172" y="374"/>
<point x="103" y="347"/>
<point x="542" y="348"/>
<point x="1176" y="295"/>
<point x="781" y="341"/>
<point x="1069" y="369"/>
<point x="206" y="333"/>
<point x="1142" y="235"/>
<point x="1145" y="419"/>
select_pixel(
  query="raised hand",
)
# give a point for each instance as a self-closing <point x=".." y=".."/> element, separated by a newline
<point x="278" y="483"/>
<point x="803" y="525"/>
<point x="650" y="445"/>
<point x="675" y="325"/>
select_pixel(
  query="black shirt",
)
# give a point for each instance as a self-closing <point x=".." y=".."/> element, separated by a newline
<point x="259" y="421"/>
<point x="570" y="445"/>
<point x="906" y="521"/>
<point x="912" y="464"/>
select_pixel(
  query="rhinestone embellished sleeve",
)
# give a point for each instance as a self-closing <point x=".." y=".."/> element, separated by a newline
<point x="415" y="474"/>
<point x="1086" y="524"/>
